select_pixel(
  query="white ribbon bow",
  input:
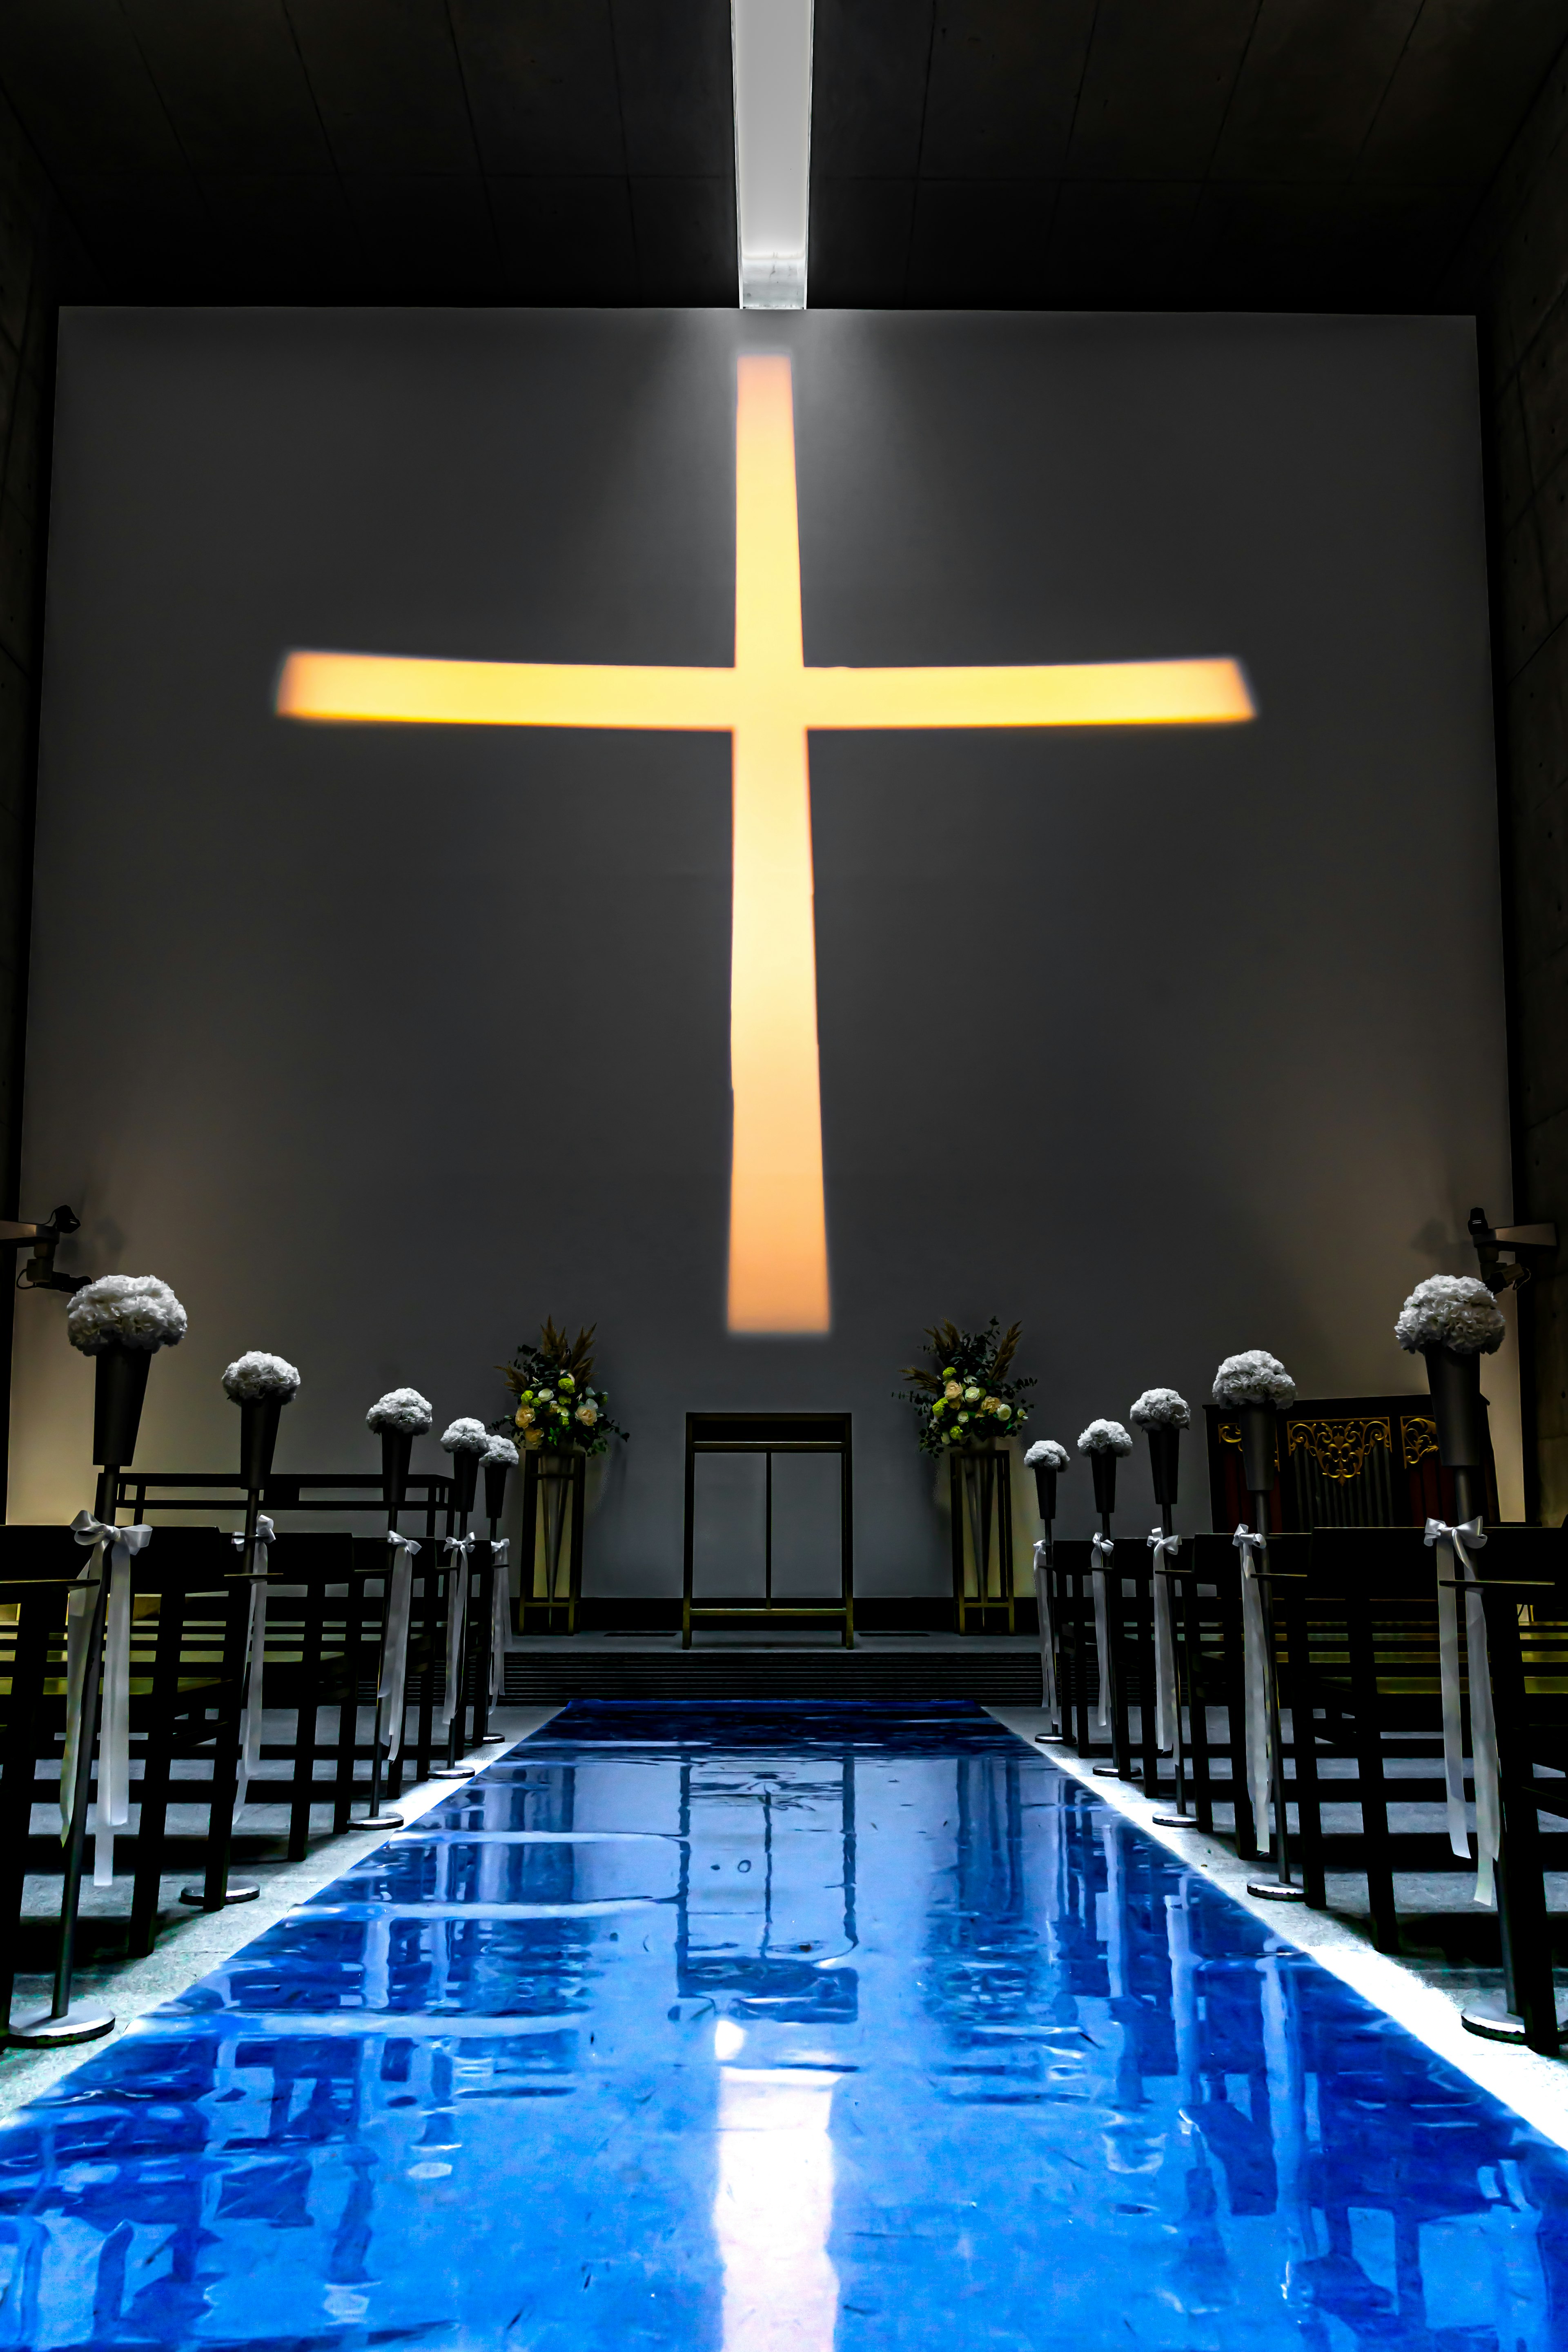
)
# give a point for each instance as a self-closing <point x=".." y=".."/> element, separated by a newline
<point x="113" y="1808"/>
<point x="1102" y="1548"/>
<point x="500" y="1614"/>
<point x="1454" y="1544"/>
<point x="459" y="1550"/>
<point x="1048" y="1641"/>
<point x="1256" y="1667"/>
<point x="1167" y="1699"/>
<point x="395" y="1640"/>
<point x="255" y="1658"/>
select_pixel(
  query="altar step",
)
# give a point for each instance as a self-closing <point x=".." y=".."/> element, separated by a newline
<point x="993" y="1672"/>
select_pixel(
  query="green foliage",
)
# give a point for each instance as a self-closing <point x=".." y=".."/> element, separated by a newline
<point x="557" y="1404"/>
<point x="965" y="1398"/>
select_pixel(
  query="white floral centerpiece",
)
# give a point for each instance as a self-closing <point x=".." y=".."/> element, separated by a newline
<point x="260" y="1385"/>
<point x="256" y="1377"/>
<point x="500" y="1450"/>
<point x="1453" y="1321"/>
<point x="1104" y="1437"/>
<point x="1254" y="1377"/>
<point x="125" y="1310"/>
<point x="1046" y="1455"/>
<point x="468" y="1436"/>
<point x="1160" y="1409"/>
<point x="121" y="1320"/>
<point x="1454" y="1311"/>
<point x="401" y="1413"/>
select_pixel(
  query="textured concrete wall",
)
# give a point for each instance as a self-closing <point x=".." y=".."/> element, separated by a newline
<point x="1513" y="271"/>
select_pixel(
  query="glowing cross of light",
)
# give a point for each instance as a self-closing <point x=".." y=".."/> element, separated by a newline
<point x="767" y="703"/>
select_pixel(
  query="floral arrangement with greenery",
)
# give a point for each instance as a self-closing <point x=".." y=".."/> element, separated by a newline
<point x="968" y="1400"/>
<point x="557" y="1404"/>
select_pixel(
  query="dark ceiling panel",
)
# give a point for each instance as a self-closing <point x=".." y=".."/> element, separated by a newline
<point x="232" y="83"/>
<point x="286" y="231"/>
<point x="566" y="240"/>
<point x="686" y="242"/>
<point x="427" y="237"/>
<point x="869" y="60"/>
<point x="990" y="236"/>
<point x="1003" y="88"/>
<point x="541" y="82"/>
<point x="1132" y="233"/>
<point x="1463" y="84"/>
<point x="149" y="232"/>
<point x="859" y="234"/>
<point x="1311" y="86"/>
<point x="76" y="78"/>
<point x="678" y="100"/>
<point x="1159" y="77"/>
<point x="387" y="84"/>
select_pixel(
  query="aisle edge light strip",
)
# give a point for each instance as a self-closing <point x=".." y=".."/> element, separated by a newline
<point x="767" y="701"/>
<point x="771" y="48"/>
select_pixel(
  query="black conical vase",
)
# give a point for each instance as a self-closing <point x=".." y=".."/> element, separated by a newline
<point x="1259" y="1454"/>
<point x="465" y="1486"/>
<point x="396" y="1453"/>
<point x="1045" y="1491"/>
<point x="1459" y="1411"/>
<point x="259" y="1419"/>
<point x="495" y="1492"/>
<point x="1164" y="1464"/>
<point x="1102" y="1467"/>
<point x="119" y="1392"/>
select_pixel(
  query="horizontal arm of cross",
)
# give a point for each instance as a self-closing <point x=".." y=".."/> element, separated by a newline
<point x="392" y="689"/>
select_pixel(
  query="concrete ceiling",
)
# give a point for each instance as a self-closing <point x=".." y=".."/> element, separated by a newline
<point x="1250" y="153"/>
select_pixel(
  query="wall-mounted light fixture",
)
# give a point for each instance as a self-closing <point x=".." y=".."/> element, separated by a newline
<point x="773" y="148"/>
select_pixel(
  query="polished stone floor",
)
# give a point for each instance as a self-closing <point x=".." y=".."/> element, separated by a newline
<point x="776" y="2028"/>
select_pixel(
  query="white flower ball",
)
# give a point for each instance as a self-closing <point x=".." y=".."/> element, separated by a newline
<point x="1105" y="1437"/>
<point x="1161" y="1409"/>
<point x="501" y="1449"/>
<point x="1451" y="1310"/>
<point x="403" y="1409"/>
<point x="125" y="1310"/>
<point x="466" y="1437"/>
<point x="1255" y="1377"/>
<point x="1046" y="1455"/>
<point x="256" y="1375"/>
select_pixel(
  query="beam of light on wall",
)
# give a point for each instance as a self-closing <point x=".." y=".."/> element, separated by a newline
<point x="772" y="2209"/>
<point x="773" y="148"/>
<point x="767" y="701"/>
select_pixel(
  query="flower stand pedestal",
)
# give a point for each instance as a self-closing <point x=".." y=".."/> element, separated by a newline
<point x="555" y="1483"/>
<point x="982" y="1497"/>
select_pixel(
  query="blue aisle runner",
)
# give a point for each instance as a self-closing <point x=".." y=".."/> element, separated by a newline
<point x="787" y="2028"/>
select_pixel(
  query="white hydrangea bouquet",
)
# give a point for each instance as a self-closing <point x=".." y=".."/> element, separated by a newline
<point x="558" y="1406"/>
<point x="966" y="1398"/>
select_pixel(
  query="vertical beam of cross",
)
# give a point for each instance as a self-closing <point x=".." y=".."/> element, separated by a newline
<point x="767" y="702"/>
<point x="778" y="1215"/>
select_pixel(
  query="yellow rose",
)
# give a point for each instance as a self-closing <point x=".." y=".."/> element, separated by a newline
<point x="953" y="1391"/>
<point x="525" y="1416"/>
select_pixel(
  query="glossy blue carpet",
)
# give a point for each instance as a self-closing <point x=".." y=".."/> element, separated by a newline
<point x="777" y="2029"/>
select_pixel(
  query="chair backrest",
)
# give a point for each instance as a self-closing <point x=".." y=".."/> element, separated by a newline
<point x="1374" y="1564"/>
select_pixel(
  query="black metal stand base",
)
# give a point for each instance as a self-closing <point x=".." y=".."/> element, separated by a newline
<point x="1051" y="1738"/>
<point x="453" y="1772"/>
<point x="239" y="1890"/>
<point x="1175" y="1821"/>
<point x="1493" y="2022"/>
<point x="491" y="1739"/>
<point x="1110" y="1773"/>
<point x="84" y="2021"/>
<point x="1269" y="1890"/>
<point x="377" y="1821"/>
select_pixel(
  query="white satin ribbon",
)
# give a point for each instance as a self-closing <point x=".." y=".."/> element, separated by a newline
<point x="1454" y="1546"/>
<point x="113" y="1810"/>
<point x="395" y="1639"/>
<point x="1167" y="1698"/>
<point x="1047" y="1643"/>
<point x="500" y="1614"/>
<point x="459" y="1550"/>
<point x="1102" y="1548"/>
<point x="1256" y="1667"/>
<point x="255" y="1658"/>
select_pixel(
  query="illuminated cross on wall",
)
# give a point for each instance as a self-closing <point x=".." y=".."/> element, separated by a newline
<point x="767" y="703"/>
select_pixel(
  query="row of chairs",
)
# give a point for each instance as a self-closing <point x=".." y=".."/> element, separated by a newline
<point x="190" y="1678"/>
<point x="1355" y="1672"/>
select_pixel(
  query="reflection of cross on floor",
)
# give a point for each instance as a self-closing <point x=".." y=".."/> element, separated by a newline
<point x="767" y="703"/>
<point x="758" y="1948"/>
